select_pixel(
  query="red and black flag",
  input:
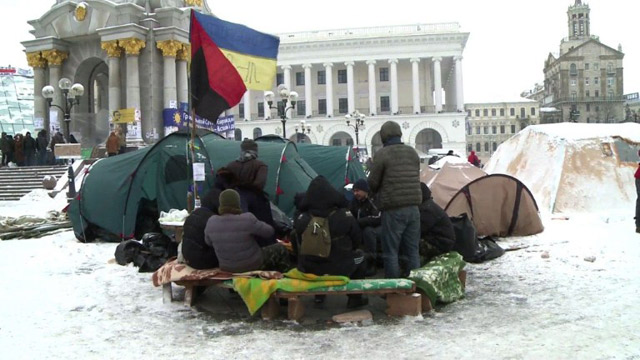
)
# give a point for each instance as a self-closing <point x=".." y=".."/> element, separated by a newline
<point x="226" y="60"/>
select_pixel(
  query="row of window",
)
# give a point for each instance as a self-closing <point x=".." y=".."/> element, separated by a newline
<point x="494" y="129"/>
<point x="301" y="106"/>
<point x="587" y="94"/>
<point x="573" y="68"/>
<point x="321" y="76"/>
<point x="596" y="81"/>
<point x="494" y="147"/>
<point x="512" y="112"/>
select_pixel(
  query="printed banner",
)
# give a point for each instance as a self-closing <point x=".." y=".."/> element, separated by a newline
<point x="176" y="119"/>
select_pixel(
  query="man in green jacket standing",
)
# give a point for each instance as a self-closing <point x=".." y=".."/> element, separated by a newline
<point x="395" y="178"/>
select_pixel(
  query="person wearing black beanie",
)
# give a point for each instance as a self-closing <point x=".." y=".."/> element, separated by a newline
<point x="365" y="211"/>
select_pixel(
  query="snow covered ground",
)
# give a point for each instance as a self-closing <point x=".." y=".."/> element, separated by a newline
<point x="62" y="299"/>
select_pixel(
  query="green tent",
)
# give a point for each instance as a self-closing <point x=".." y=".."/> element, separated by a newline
<point x="337" y="163"/>
<point x="120" y="192"/>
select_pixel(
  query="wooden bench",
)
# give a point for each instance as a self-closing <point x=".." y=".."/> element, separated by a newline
<point x="405" y="301"/>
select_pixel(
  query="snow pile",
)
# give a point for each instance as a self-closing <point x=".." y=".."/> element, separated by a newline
<point x="448" y="159"/>
<point x="568" y="168"/>
<point x="35" y="203"/>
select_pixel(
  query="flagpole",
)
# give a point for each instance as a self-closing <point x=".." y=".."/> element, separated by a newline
<point x="191" y="196"/>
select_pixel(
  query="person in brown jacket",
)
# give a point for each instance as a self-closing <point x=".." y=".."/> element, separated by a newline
<point x="112" y="144"/>
<point x="249" y="179"/>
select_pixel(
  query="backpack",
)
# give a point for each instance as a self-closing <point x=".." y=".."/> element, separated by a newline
<point x="316" y="237"/>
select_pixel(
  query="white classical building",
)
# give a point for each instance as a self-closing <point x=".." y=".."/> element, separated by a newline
<point x="134" y="54"/>
<point x="409" y="74"/>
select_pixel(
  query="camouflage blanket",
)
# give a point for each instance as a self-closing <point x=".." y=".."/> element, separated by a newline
<point x="255" y="292"/>
<point x="173" y="271"/>
<point x="438" y="279"/>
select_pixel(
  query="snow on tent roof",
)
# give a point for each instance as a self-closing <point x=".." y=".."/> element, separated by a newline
<point x="573" y="167"/>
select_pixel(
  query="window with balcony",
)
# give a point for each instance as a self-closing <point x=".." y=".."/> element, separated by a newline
<point x="384" y="104"/>
<point x="322" y="77"/>
<point x="299" y="78"/>
<point x="343" y="105"/>
<point x="342" y="76"/>
<point x="384" y="74"/>
<point x="322" y="106"/>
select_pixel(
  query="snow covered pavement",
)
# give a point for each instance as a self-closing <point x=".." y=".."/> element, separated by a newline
<point x="62" y="299"/>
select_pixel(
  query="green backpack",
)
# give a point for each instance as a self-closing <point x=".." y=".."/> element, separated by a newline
<point x="316" y="237"/>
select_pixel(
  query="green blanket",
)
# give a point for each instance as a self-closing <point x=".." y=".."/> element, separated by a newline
<point x="439" y="278"/>
<point x="255" y="292"/>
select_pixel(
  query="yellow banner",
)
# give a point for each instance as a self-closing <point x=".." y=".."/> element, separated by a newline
<point x="124" y="116"/>
<point x="256" y="72"/>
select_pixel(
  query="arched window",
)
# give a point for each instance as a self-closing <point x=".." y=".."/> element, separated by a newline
<point x="573" y="70"/>
<point x="523" y="113"/>
<point x="486" y="147"/>
<point x="238" y="135"/>
<point x="257" y="132"/>
<point x="469" y="147"/>
<point x="478" y="149"/>
<point x="495" y="146"/>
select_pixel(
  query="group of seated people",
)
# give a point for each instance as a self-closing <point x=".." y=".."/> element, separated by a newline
<point x="233" y="228"/>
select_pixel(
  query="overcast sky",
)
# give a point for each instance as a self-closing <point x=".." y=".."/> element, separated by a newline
<point x="508" y="43"/>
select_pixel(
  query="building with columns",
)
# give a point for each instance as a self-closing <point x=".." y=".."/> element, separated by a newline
<point x="134" y="54"/>
<point x="409" y="74"/>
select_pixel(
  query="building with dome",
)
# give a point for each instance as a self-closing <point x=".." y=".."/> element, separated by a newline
<point x="134" y="54"/>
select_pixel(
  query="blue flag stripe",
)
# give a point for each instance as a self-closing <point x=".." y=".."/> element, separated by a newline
<point x="239" y="38"/>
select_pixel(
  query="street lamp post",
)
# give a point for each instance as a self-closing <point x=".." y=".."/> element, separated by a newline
<point x="71" y="94"/>
<point x="302" y="129"/>
<point x="358" y="119"/>
<point x="286" y="96"/>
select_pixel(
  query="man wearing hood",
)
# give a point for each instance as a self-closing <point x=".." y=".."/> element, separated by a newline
<point x="344" y="258"/>
<point x="473" y="159"/>
<point x="436" y="230"/>
<point x="395" y="179"/>
<point x="249" y="179"/>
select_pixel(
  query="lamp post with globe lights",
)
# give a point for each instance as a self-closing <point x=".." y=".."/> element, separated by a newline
<point x="301" y="130"/>
<point x="286" y="96"/>
<point x="71" y="96"/>
<point x="358" y="123"/>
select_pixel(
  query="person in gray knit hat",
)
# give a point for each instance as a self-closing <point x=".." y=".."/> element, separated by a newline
<point x="249" y="178"/>
<point x="233" y="235"/>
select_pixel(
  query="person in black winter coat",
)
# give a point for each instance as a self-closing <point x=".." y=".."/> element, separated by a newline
<point x="345" y="258"/>
<point x="249" y="179"/>
<point x="196" y="252"/>
<point x="366" y="212"/>
<point x="29" y="145"/>
<point x="436" y="230"/>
